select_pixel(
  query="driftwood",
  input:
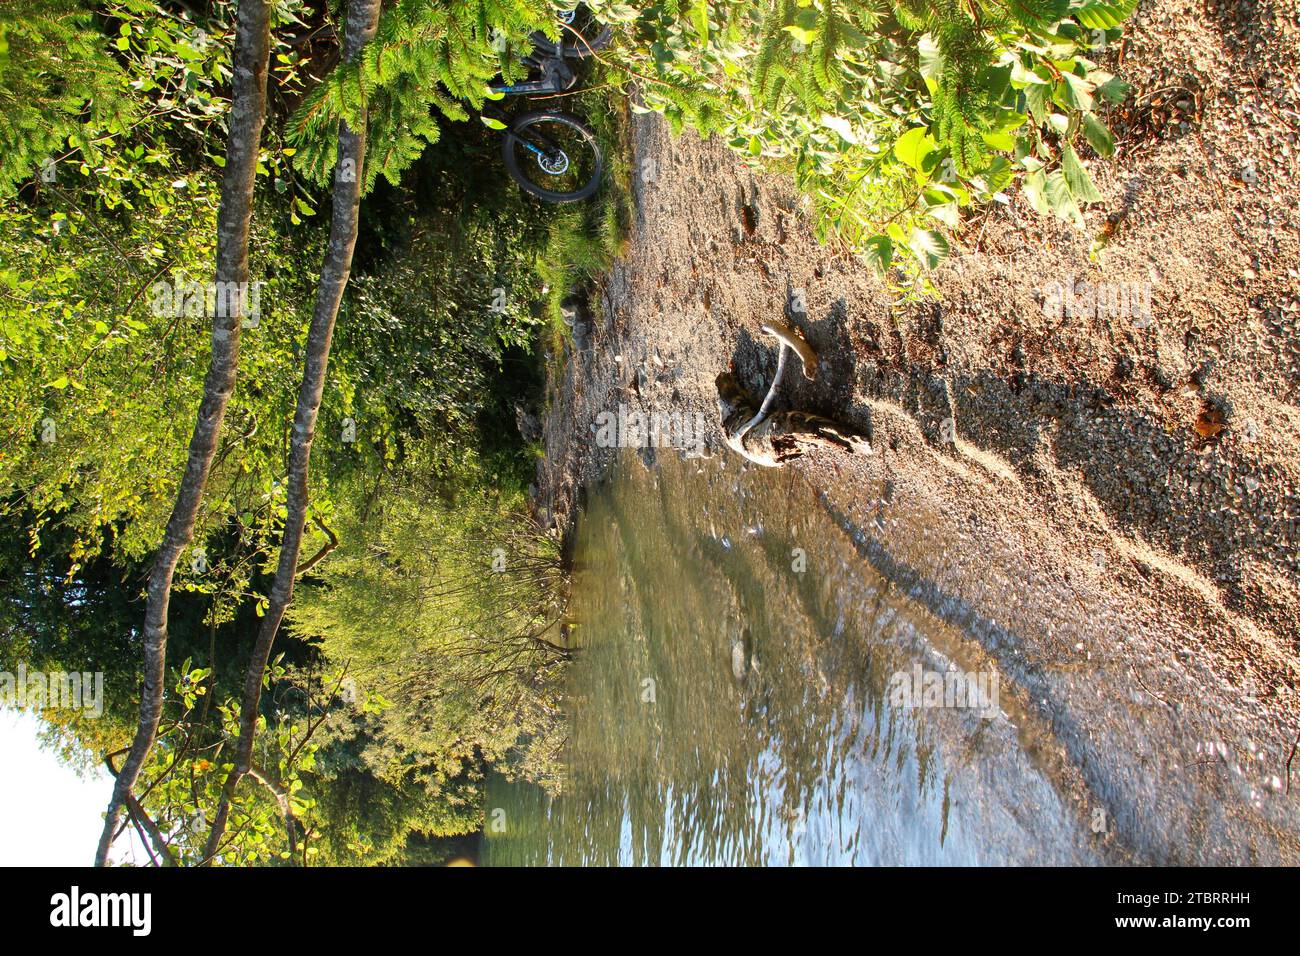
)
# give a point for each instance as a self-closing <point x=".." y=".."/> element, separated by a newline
<point x="770" y="439"/>
<point x="790" y="337"/>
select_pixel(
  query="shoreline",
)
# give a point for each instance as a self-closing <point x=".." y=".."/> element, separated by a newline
<point x="1132" y="478"/>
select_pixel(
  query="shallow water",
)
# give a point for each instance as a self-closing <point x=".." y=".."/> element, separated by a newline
<point x="731" y="702"/>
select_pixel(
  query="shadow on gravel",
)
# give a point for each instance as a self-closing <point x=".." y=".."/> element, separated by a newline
<point x="1163" y="486"/>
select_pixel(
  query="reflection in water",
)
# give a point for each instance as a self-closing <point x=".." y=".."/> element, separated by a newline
<point x="730" y="702"/>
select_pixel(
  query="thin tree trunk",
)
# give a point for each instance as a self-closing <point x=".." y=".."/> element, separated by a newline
<point x="286" y="811"/>
<point x="144" y="822"/>
<point x="362" y="21"/>
<point x="247" y="113"/>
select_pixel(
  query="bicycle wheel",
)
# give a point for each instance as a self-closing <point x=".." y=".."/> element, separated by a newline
<point x="553" y="156"/>
<point x="582" y="35"/>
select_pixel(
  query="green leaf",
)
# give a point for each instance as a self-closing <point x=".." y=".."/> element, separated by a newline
<point x="841" y="126"/>
<point x="913" y="146"/>
<point x="1113" y="90"/>
<point x="805" y="37"/>
<point x="946" y="213"/>
<point x="1037" y="98"/>
<point x="1061" y="199"/>
<point x="60" y="383"/>
<point x="1097" y="135"/>
<point x="804" y="28"/>
<point x="1035" y="187"/>
<point x="929" y="247"/>
<point x="931" y="60"/>
<point x="1075" y="92"/>
<point x="1003" y="142"/>
<point x="879" y="252"/>
<point x="998" y="174"/>
<point x="700" y="20"/>
<point x="1022" y="76"/>
<point x="1101" y="15"/>
<point x="491" y="123"/>
<point x="1080" y="182"/>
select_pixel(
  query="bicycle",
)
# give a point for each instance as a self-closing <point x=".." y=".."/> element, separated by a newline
<point x="552" y="154"/>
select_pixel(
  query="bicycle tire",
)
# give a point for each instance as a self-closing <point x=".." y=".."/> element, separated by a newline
<point x="508" y="154"/>
<point x="571" y="46"/>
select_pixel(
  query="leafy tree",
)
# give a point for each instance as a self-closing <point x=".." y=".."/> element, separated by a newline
<point x="103" y="361"/>
<point x="394" y="818"/>
<point x="428" y="55"/>
<point x="60" y="89"/>
<point x="252" y="51"/>
<point x="363" y="19"/>
<point x="443" y="602"/>
<point x="893" y="117"/>
<point x="96" y="369"/>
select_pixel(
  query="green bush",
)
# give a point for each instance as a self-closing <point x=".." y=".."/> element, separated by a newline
<point x="893" y="117"/>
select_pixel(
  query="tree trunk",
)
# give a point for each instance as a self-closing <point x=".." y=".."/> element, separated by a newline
<point x="362" y="22"/>
<point x="247" y="112"/>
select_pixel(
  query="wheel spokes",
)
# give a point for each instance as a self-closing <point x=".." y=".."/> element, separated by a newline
<point x="554" y="156"/>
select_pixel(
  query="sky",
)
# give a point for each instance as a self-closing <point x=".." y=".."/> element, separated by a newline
<point x="49" y="816"/>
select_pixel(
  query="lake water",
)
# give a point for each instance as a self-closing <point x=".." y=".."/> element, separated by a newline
<point x="731" y="702"/>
